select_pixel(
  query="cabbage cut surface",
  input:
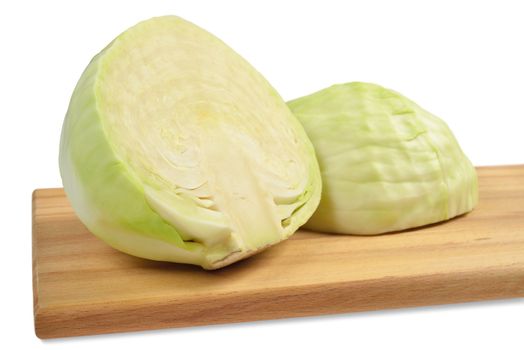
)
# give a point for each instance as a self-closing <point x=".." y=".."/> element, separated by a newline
<point x="174" y="148"/>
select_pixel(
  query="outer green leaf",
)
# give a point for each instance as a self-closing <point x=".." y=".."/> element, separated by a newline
<point x="386" y="163"/>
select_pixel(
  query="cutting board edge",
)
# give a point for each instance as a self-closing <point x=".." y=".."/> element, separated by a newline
<point x="322" y="299"/>
<point x="34" y="261"/>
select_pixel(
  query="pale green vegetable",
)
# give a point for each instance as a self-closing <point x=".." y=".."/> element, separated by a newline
<point x="386" y="163"/>
<point x="174" y="148"/>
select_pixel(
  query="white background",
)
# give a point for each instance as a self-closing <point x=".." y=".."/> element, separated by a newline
<point x="463" y="61"/>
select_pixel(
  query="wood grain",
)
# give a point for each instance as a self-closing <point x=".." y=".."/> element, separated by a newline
<point x="82" y="286"/>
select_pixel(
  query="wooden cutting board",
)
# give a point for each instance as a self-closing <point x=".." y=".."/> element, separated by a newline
<point x="82" y="286"/>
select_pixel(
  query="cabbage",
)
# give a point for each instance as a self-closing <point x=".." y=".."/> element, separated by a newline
<point x="174" y="148"/>
<point x="386" y="163"/>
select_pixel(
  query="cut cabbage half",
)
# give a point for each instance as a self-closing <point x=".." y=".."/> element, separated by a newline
<point x="174" y="148"/>
<point x="386" y="163"/>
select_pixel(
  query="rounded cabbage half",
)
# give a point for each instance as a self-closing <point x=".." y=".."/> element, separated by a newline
<point x="386" y="163"/>
<point x="174" y="148"/>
